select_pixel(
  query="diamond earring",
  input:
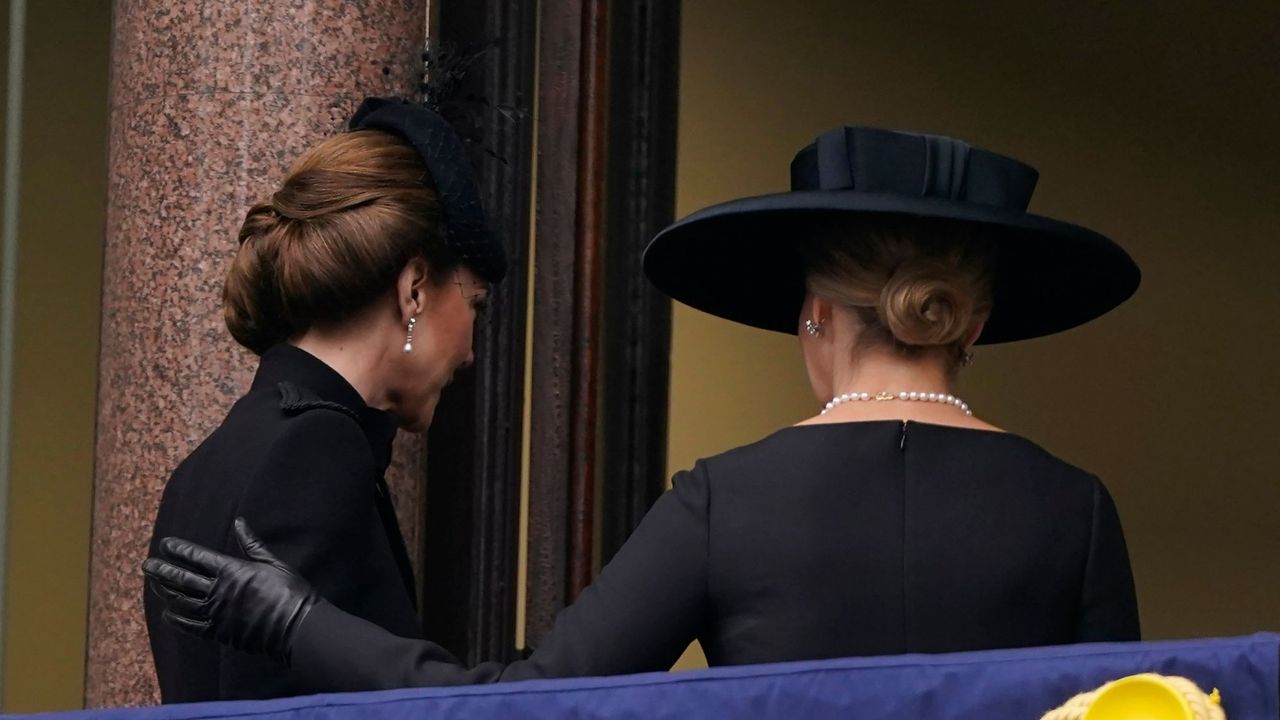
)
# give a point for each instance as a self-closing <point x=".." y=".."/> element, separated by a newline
<point x="967" y="359"/>
<point x="813" y="328"/>
<point x="408" y="339"/>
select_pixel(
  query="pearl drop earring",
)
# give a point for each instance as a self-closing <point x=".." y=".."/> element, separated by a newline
<point x="408" y="340"/>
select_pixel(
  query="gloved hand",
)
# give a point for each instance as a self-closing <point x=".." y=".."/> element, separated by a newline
<point x="252" y="605"/>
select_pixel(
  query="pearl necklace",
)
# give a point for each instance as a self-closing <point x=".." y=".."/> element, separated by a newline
<point x="886" y="395"/>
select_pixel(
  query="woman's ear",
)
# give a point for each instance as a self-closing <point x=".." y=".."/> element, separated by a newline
<point x="819" y="317"/>
<point x="815" y="316"/>
<point x="820" y="310"/>
<point x="411" y="289"/>
<point x="974" y="334"/>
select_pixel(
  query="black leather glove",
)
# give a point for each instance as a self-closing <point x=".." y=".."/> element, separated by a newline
<point x="252" y="605"/>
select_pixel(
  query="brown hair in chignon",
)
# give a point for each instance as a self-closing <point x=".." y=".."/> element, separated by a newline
<point x="352" y="212"/>
<point x="914" y="282"/>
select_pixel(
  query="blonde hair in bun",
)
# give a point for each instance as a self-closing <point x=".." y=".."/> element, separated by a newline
<point x="915" y="283"/>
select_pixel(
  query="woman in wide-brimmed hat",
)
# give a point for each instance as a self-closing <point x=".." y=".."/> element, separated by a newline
<point x="895" y="520"/>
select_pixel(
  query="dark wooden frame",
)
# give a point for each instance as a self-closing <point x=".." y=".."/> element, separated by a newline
<point x="569" y="225"/>
<point x="474" y="448"/>
<point x="644" y="82"/>
<point x="605" y="129"/>
<point x="606" y="183"/>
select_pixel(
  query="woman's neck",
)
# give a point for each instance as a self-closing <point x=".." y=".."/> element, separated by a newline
<point x="877" y="372"/>
<point x="887" y="372"/>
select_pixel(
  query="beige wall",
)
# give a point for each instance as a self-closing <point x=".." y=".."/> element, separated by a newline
<point x="1154" y="123"/>
<point x="56" y="350"/>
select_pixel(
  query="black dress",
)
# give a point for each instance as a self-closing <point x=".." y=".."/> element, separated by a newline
<point x="819" y="541"/>
<point x="301" y="457"/>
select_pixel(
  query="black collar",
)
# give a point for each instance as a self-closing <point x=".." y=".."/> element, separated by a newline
<point x="305" y="382"/>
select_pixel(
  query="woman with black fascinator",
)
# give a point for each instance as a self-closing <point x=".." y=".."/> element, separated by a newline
<point x="895" y="520"/>
<point x="357" y="282"/>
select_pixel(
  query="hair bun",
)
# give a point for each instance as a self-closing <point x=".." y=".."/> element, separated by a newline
<point x="352" y="212"/>
<point x="250" y="296"/>
<point x="924" y="304"/>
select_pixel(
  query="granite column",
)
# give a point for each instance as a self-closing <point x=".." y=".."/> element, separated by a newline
<point x="210" y="102"/>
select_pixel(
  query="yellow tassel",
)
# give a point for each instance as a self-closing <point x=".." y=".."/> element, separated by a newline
<point x="1155" y="696"/>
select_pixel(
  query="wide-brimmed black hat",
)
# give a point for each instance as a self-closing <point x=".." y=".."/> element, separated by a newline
<point x="467" y="229"/>
<point x="741" y="260"/>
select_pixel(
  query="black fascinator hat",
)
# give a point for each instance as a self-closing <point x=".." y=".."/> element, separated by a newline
<point x="740" y="260"/>
<point x="467" y="229"/>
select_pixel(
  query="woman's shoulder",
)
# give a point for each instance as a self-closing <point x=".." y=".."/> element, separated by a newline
<point x="1013" y="451"/>
<point x="286" y="405"/>
<point x="262" y="449"/>
<point x="309" y="424"/>
<point x="315" y="454"/>
<point x="288" y="419"/>
<point x="753" y="458"/>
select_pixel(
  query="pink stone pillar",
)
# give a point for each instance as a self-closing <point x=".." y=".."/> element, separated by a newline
<point x="210" y="102"/>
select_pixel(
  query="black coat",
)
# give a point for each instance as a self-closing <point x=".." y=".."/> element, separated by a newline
<point x="301" y="457"/>
<point x="819" y="541"/>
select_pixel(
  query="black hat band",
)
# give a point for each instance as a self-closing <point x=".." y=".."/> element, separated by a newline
<point x="882" y="161"/>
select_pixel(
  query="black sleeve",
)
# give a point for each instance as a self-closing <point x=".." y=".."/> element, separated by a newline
<point x="312" y="502"/>
<point x="1108" y="605"/>
<point x="639" y="615"/>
